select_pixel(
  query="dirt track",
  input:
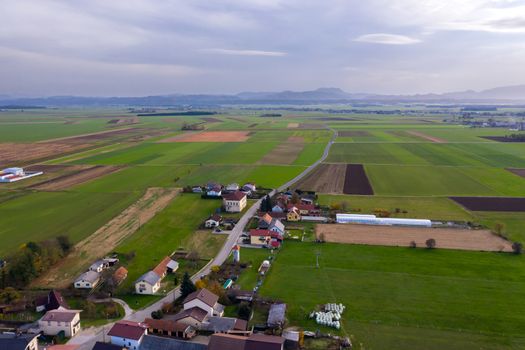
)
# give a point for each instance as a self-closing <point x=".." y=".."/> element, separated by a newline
<point x="326" y="178"/>
<point x="448" y="238"/>
<point x="210" y="136"/>
<point x="426" y="137"/>
<point x="107" y="238"/>
<point x="79" y="177"/>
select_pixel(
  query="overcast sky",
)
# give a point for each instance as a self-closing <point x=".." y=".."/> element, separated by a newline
<point x="142" y="47"/>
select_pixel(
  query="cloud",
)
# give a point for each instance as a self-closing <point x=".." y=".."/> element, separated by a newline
<point x="246" y="52"/>
<point x="387" y="39"/>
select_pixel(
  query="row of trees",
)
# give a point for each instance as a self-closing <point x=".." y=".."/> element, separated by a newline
<point x="33" y="259"/>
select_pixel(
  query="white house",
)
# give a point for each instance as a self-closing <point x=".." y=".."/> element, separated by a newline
<point x="214" y="221"/>
<point x="128" y="334"/>
<point x="234" y="202"/>
<point x="250" y="186"/>
<point x="148" y="283"/>
<point x="87" y="280"/>
<point x="232" y="187"/>
<point x="59" y="320"/>
<point x="204" y="300"/>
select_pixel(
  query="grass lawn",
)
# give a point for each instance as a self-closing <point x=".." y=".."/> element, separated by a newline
<point x="44" y="215"/>
<point x="401" y="298"/>
<point x="164" y="234"/>
<point x="255" y="256"/>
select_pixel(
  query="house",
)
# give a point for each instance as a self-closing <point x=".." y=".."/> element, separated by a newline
<point x="87" y="280"/>
<point x="304" y="209"/>
<point x="205" y="300"/>
<point x="213" y="190"/>
<point x="127" y="334"/>
<point x="271" y="223"/>
<point x="278" y="208"/>
<point x="170" y="328"/>
<point x="234" y="202"/>
<point x="148" y="283"/>
<point x="60" y="320"/>
<point x="120" y="275"/>
<point x="265" y="238"/>
<point x="192" y="317"/>
<point x="111" y="261"/>
<point x="220" y="341"/>
<point x="293" y="214"/>
<point x="13" y="341"/>
<point x="214" y="221"/>
<point x="276" y="315"/>
<point x="98" y="266"/>
<point x="162" y="268"/>
<point x="232" y="187"/>
<point x="249" y="186"/>
<point x="107" y="346"/>
<point x="52" y="301"/>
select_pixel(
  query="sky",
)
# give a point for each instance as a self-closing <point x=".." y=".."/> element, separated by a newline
<point x="149" y="47"/>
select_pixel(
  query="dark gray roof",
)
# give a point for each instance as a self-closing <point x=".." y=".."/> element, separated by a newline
<point x="150" y="277"/>
<point x="219" y="324"/>
<point x="151" y="342"/>
<point x="106" y="346"/>
<point x="203" y="295"/>
<point x="276" y="315"/>
<point x="90" y="276"/>
<point x="9" y="341"/>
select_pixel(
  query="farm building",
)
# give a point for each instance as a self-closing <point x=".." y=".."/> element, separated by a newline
<point x="220" y="341"/>
<point x="170" y="328"/>
<point x="52" y="301"/>
<point x="373" y="220"/>
<point x="87" y="280"/>
<point x="234" y="202"/>
<point x="98" y="266"/>
<point x="17" y="174"/>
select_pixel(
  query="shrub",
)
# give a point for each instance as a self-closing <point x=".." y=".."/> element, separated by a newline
<point x="430" y="243"/>
<point x="413" y="244"/>
<point x="245" y="311"/>
<point x="517" y="248"/>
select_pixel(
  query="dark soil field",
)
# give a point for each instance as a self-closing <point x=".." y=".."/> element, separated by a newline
<point x="491" y="203"/>
<point x="326" y="178"/>
<point x="519" y="172"/>
<point x="356" y="181"/>
<point x="502" y="139"/>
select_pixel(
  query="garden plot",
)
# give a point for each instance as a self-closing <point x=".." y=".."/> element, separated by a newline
<point x="448" y="238"/>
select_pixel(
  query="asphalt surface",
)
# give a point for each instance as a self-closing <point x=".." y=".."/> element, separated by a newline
<point x="88" y="337"/>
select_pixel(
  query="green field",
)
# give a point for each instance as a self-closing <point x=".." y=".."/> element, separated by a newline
<point x="400" y="298"/>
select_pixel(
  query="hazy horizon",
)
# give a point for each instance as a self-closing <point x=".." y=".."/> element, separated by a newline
<point x="140" y="47"/>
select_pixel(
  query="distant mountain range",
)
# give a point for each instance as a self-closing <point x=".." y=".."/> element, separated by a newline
<point x="501" y="95"/>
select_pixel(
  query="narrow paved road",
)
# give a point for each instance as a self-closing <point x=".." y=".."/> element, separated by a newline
<point x="89" y="336"/>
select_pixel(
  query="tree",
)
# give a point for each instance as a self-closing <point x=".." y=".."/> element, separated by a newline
<point x="517" y="248"/>
<point x="295" y="198"/>
<point x="200" y="284"/>
<point x="9" y="295"/>
<point x="431" y="243"/>
<point x="64" y="243"/>
<point x="186" y="287"/>
<point x="175" y="279"/>
<point x="321" y="237"/>
<point x="245" y="311"/>
<point x="413" y="244"/>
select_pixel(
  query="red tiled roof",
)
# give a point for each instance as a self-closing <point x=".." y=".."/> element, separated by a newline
<point x="161" y="268"/>
<point x="260" y="232"/>
<point x="127" y="329"/>
<point x="166" y="325"/>
<point x="121" y="274"/>
<point x="195" y="312"/>
<point x="233" y="196"/>
<point x="59" y="316"/>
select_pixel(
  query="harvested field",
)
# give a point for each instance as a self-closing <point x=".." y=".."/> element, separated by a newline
<point x="53" y="168"/>
<point x="502" y="139"/>
<point x="308" y="126"/>
<point x="124" y="120"/>
<point x="111" y="234"/>
<point x="491" y="203"/>
<point x="284" y="153"/>
<point x="237" y="119"/>
<point x="353" y="133"/>
<point x="211" y="120"/>
<point x="295" y="139"/>
<point x="19" y="153"/>
<point x="426" y="137"/>
<point x="211" y="136"/>
<point x="96" y="136"/>
<point x="448" y="238"/>
<point x="293" y="125"/>
<point x="325" y="178"/>
<point x="356" y="181"/>
<point x="76" y="178"/>
<point x="519" y="172"/>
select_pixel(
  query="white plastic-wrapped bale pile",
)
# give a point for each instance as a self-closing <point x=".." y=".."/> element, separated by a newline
<point x="330" y="317"/>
